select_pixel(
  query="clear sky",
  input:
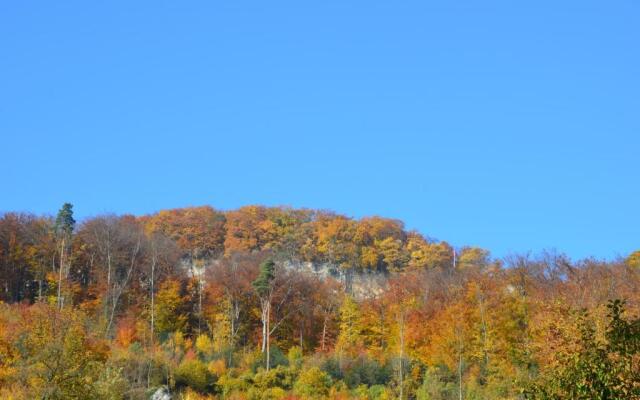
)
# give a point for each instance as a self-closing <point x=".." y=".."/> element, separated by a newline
<point x="510" y="125"/>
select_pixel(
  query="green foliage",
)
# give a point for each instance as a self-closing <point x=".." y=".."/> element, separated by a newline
<point x="312" y="383"/>
<point x="280" y="376"/>
<point x="358" y="371"/>
<point x="64" y="220"/>
<point x="276" y="358"/>
<point x="266" y="276"/>
<point x="368" y="372"/>
<point x="295" y="357"/>
<point x="597" y="370"/>
<point x="111" y="384"/>
<point x="379" y="392"/>
<point x="436" y="385"/>
<point x="274" y="393"/>
<point x="194" y="374"/>
<point x="233" y="382"/>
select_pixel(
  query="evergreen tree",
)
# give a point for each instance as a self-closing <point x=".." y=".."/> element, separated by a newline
<point x="264" y="288"/>
<point x="262" y="284"/>
<point x="64" y="228"/>
<point x="64" y="220"/>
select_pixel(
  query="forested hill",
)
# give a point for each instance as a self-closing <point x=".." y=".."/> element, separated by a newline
<point x="196" y="303"/>
<point x="203" y="234"/>
<point x="373" y="243"/>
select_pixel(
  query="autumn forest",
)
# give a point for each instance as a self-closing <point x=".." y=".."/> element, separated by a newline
<point x="282" y="303"/>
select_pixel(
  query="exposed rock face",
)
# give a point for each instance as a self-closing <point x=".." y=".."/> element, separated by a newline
<point x="362" y="284"/>
<point x="161" y="394"/>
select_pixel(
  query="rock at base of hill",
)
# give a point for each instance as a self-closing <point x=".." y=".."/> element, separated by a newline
<point x="161" y="394"/>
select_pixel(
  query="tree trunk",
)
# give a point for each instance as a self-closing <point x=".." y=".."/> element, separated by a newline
<point x="324" y="332"/>
<point x="264" y="325"/>
<point x="199" y="304"/>
<point x="117" y="293"/>
<point x="268" y="336"/>
<point x="401" y="355"/>
<point x="460" y="368"/>
<point x="60" y="274"/>
<point x="108" y="294"/>
<point x="301" y="335"/>
<point x="153" y="270"/>
<point x="485" y="339"/>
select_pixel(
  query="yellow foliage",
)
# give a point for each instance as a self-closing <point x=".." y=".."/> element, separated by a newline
<point x="217" y="367"/>
<point x="634" y="259"/>
<point x="205" y="345"/>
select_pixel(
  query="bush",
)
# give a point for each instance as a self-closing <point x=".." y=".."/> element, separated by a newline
<point x="295" y="357"/>
<point x="379" y="392"/>
<point x="359" y="371"/>
<point x="111" y="385"/>
<point x="191" y="395"/>
<point x="268" y="394"/>
<point x="217" y="367"/>
<point x="365" y="371"/>
<point x="276" y="356"/>
<point x="596" y="368"/>
<point x="332" y="367"/>
<point x="438" y="383"/>
<point x="194" y="374"/>
<point x="231" y="383"/>
<point x="312" y="383"/>
<point x="280" y="376"/>
<point x="205" y="346"/>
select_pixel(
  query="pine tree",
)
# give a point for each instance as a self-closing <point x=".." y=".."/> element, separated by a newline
<point x="64" y="229"/>
<point x="264" y="288"/>
<point x="64" y="220"/>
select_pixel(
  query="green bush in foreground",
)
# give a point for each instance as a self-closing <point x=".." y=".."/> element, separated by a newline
<point x="598" y="370"/>
<point x="312" y="383"/>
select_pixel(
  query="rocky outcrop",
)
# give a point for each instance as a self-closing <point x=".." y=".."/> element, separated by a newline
<point x="161" y="394"/>
<point x="361" y="284"/>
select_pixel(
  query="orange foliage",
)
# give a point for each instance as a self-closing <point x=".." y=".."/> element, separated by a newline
<point x="198" y="230"/>
<point x="126" y="331"/>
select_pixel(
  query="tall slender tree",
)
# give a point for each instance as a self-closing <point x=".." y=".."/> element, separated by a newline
<point x="64" y="230"/>
<point x="264" y="288"/>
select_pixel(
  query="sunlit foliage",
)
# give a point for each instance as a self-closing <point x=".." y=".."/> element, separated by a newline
<point x="280" y="303"/>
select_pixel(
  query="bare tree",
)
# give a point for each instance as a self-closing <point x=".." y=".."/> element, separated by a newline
<point x="232" y="276"/>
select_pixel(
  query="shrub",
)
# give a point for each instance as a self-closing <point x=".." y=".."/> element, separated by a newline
<point x="194" y="374"/>
<point x="205" y="346"/>
<point x="231" y="383"/>
<point x="276" y="356"/>
<point x="275" y="393"/>
<point x="217" y="367"/>
<point x="312" y="383"/>
<point x="280" y="376"/>
<point x="379" y="392"/>
<point x="295" y="357"/>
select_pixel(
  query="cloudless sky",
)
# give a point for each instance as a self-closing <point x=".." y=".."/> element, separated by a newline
<point x="514" y="126"/>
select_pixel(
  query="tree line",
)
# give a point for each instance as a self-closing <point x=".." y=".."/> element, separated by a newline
<point x="212" y="304"/>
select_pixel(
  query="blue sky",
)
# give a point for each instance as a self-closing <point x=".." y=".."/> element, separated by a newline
<point x="509" y="125"/>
